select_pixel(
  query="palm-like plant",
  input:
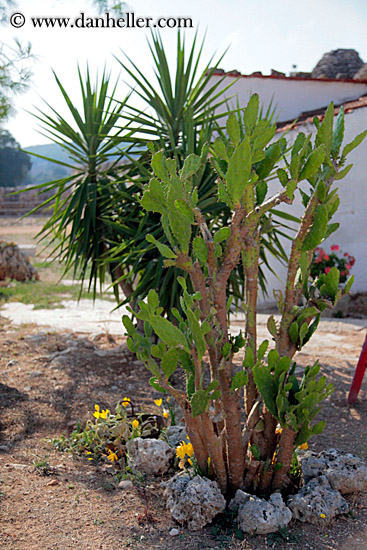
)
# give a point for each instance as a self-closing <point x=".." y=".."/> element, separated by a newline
<point x="97" y="220"/>
<point x="76" y="224"/>
<point x="179" y="118"/>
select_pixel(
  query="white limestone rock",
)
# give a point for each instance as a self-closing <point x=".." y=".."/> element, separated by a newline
<point x="239" y="500"/>
<point x="126" y="485"/>
<point x="193" y="501"/>
<point x="317" y="502"/>
<point x="259" y="516"/>
<point x="176" y="434"/>
<point x="150" y="456"/>
<point x="346" y="472"/>
<point x="313" y="465"/>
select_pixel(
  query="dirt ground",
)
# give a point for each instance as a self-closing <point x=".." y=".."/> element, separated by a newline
<point x="80" y="505"/>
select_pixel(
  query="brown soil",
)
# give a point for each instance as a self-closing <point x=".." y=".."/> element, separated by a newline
<point x="79" y="505"/>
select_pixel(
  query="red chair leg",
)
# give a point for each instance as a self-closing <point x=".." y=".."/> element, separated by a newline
<point x="358" y="375"/>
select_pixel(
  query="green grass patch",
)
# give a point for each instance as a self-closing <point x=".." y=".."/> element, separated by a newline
<point x="44" y="295"/>
<point x="48" y="264"/>
<point x="58" y="269"/>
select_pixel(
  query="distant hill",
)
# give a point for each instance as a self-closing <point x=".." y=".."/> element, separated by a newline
<point x="43" y="170"/>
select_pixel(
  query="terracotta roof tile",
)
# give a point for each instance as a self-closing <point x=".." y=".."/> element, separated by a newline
<point x="258" y="74"/>
<point x="308" y="116"/>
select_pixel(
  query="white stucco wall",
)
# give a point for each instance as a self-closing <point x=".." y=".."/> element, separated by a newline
<point x="290" y="96"/>
<point x="352" y="214"/>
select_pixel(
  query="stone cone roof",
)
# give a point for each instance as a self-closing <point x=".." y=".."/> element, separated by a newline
<point x="341" y="63"/>
<point x="361" y="74"/>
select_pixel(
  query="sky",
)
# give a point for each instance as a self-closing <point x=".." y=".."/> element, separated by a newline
<point x="259" y="35"/>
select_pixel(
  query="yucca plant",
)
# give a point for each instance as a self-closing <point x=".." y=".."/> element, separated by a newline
<point x="79" y="201"/>
<point x="101" y="224"/>
<point x="178" y="117"/>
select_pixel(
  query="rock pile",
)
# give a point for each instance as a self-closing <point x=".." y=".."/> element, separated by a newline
<point x="345" y="472"/>
<point x="341" y="64"/>
<point x="14" y="264"/>
<point x="317" y="502"/>
<point x="195" y="501"/>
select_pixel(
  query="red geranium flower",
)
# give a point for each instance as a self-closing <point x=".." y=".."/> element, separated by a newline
<point x="327" y="269"/>
<point x="334" y="247"/>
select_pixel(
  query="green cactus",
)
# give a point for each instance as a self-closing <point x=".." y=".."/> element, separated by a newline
<point x="199" y="342"/>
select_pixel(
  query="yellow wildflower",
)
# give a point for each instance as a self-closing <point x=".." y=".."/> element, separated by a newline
<point x="278" y="430"/>
<point x="181" y="464"/>
<point x="168" y="399"/>
<point x="90" y="458"/>
<point x="304" y="446"/>
<point x="135" y="423"/>
<point x="112" y="456"/>
<point x="125" y="401"/>
<point x="104" y="414"/>
<point x="190" y="461"/>
<point x="96" y="412"/>
<point x="181" y="450"/>
<point x="322" y="516"/>
<point x="158" y="402"/>
<point x="184" y="449"/>
<point x="165" y="414"/>
<point x="189" y="449"/>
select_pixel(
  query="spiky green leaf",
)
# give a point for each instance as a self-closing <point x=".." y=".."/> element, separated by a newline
<point x="250" y="114"/>
<point x="233" y="129"/>
<point x="191" y="166"/>
<point x="313" y="163"/>
<point x="239" y="169"/>
<point x="169" y="362"/>
<point x="338" y="134"/>
<point x="199" y="402"/>
<point x="318" y="229"/>
<point x="354" y="143"/>
<point x="239" y="380"/>
<point x="168" y="333"/>
<point x="163" y="248"/>
<point x="200" y="250"/>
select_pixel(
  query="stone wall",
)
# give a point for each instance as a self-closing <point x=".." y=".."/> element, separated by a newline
<point x="21" y="203"/>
